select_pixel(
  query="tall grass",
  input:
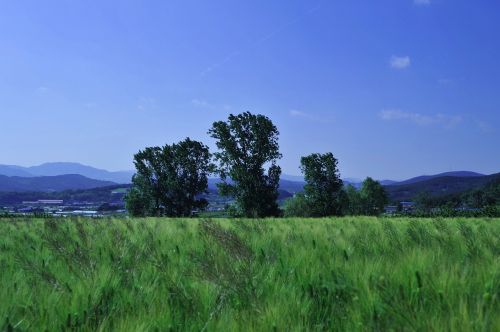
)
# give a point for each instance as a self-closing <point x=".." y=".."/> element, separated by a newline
<point x="346" y="274"/>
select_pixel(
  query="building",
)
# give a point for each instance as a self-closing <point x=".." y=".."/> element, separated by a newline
<point x="44" y="202"/>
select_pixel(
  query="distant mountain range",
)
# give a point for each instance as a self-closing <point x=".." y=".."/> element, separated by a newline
<point x="60" y="176"/>
<point x="438" y="185"/>
<point x="64" y="168"/>
<point x="49" y="183"/>
<point x="458" y="174"/>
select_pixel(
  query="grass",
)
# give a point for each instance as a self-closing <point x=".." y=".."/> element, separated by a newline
<point x="345" y="274"/>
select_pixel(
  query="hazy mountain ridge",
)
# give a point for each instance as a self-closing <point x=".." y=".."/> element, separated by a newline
<point x="460" y="174"/>
<point x="60" y="176"/>
<point x="12" y="170"/>
<point x="49" y="183"/>
<point x="64" y="168"/>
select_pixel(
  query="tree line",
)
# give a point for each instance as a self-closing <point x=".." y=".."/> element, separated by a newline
<point x="170" y="180"/>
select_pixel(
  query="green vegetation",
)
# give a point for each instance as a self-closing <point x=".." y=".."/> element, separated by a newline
<point x="369" y="200"/>
<point x="169" y="179"/>
<point x="323" y="188"/>
<point x="247" y="144"/>
<point x="486" y="198"/>
<point x="346" y="274"/>
<point x="324" y="195"/>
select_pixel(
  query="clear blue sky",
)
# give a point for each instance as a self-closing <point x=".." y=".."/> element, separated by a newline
<point x="393" y="88"/>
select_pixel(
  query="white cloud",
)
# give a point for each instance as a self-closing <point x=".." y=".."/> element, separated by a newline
<point x="447" y="121"/>
<point x="422" y="2"/>
<point x="400" y="62"/>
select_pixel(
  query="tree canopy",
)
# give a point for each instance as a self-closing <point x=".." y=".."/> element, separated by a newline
<point x="323" y="187"/>
<point x="373" y="197"/>
<point x="248" y="143"/>
<point x="169" y="179"/>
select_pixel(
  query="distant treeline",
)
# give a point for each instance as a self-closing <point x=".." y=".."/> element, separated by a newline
<point x="483" y="201"/>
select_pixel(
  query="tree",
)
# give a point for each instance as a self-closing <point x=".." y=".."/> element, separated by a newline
<point x="169" y="179"/>
<point x="373" y="197"/>
<point x="247" y="143"/>
<point x="323" y="187"/>
<point x="297" y="206"/>
<point x="354" y="205"/>
<point x="424" y="201"/>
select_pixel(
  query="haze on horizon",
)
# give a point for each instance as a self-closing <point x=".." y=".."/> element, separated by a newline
<point x="393" y="89"/>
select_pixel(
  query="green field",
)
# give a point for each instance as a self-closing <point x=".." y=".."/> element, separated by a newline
<point x="345" y="274"/>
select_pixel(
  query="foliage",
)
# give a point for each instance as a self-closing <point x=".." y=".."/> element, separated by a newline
<point x="354" y="206"/>
<point x="424" y="202"/>
<point x="369" y="200"/>
<point x="323" y="184"/>
<point x="247" y="143"/>
<point x="169" y="179"/>
<point x="373" y="197"/>
<point x="297" y="206"/>
<point x="489" y="195"/>
<point x="484" y="201"/>
<point x="343" y="274"/>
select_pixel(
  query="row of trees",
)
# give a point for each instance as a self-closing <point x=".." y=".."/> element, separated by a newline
<point x="369" y="200"/>
<point x="169" y="180"/>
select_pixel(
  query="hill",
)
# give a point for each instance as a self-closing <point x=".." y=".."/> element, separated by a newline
<point x="287" y="188"/>
<point x="457" y="174"/>
<point x="438" y="186"/>
<point x="64" y="168"/>
<point x="12" y="170"/>
<point x="49" y="183"/>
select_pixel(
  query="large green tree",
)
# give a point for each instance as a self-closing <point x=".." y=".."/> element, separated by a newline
<point x="247" y="144"/>
<point x="169" y="179"/>
<point x="373" y="197"/>
<point x="323" y="189"/>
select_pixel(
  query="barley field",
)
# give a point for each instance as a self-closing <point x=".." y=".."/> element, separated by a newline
<point x="340" y="274"/>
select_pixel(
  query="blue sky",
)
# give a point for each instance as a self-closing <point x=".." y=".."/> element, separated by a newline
<point x="393" y="88"/>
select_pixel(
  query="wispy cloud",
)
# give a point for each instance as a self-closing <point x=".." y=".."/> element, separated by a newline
<point x="422" y="2"/>
<point x="262" y="39"/>
<point x="298" y="114"/>
<point x="216" y="65"/>
<point x="447" y="121"/>
<point x="400" y="62"/>
<point x="146" y="103"/>
<point x="484" y="127"/>
<point x="201" y="103"/>
<point x="308" y="116"/>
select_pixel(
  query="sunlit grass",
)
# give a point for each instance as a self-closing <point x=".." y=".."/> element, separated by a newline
<point x="347" y="274"/>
